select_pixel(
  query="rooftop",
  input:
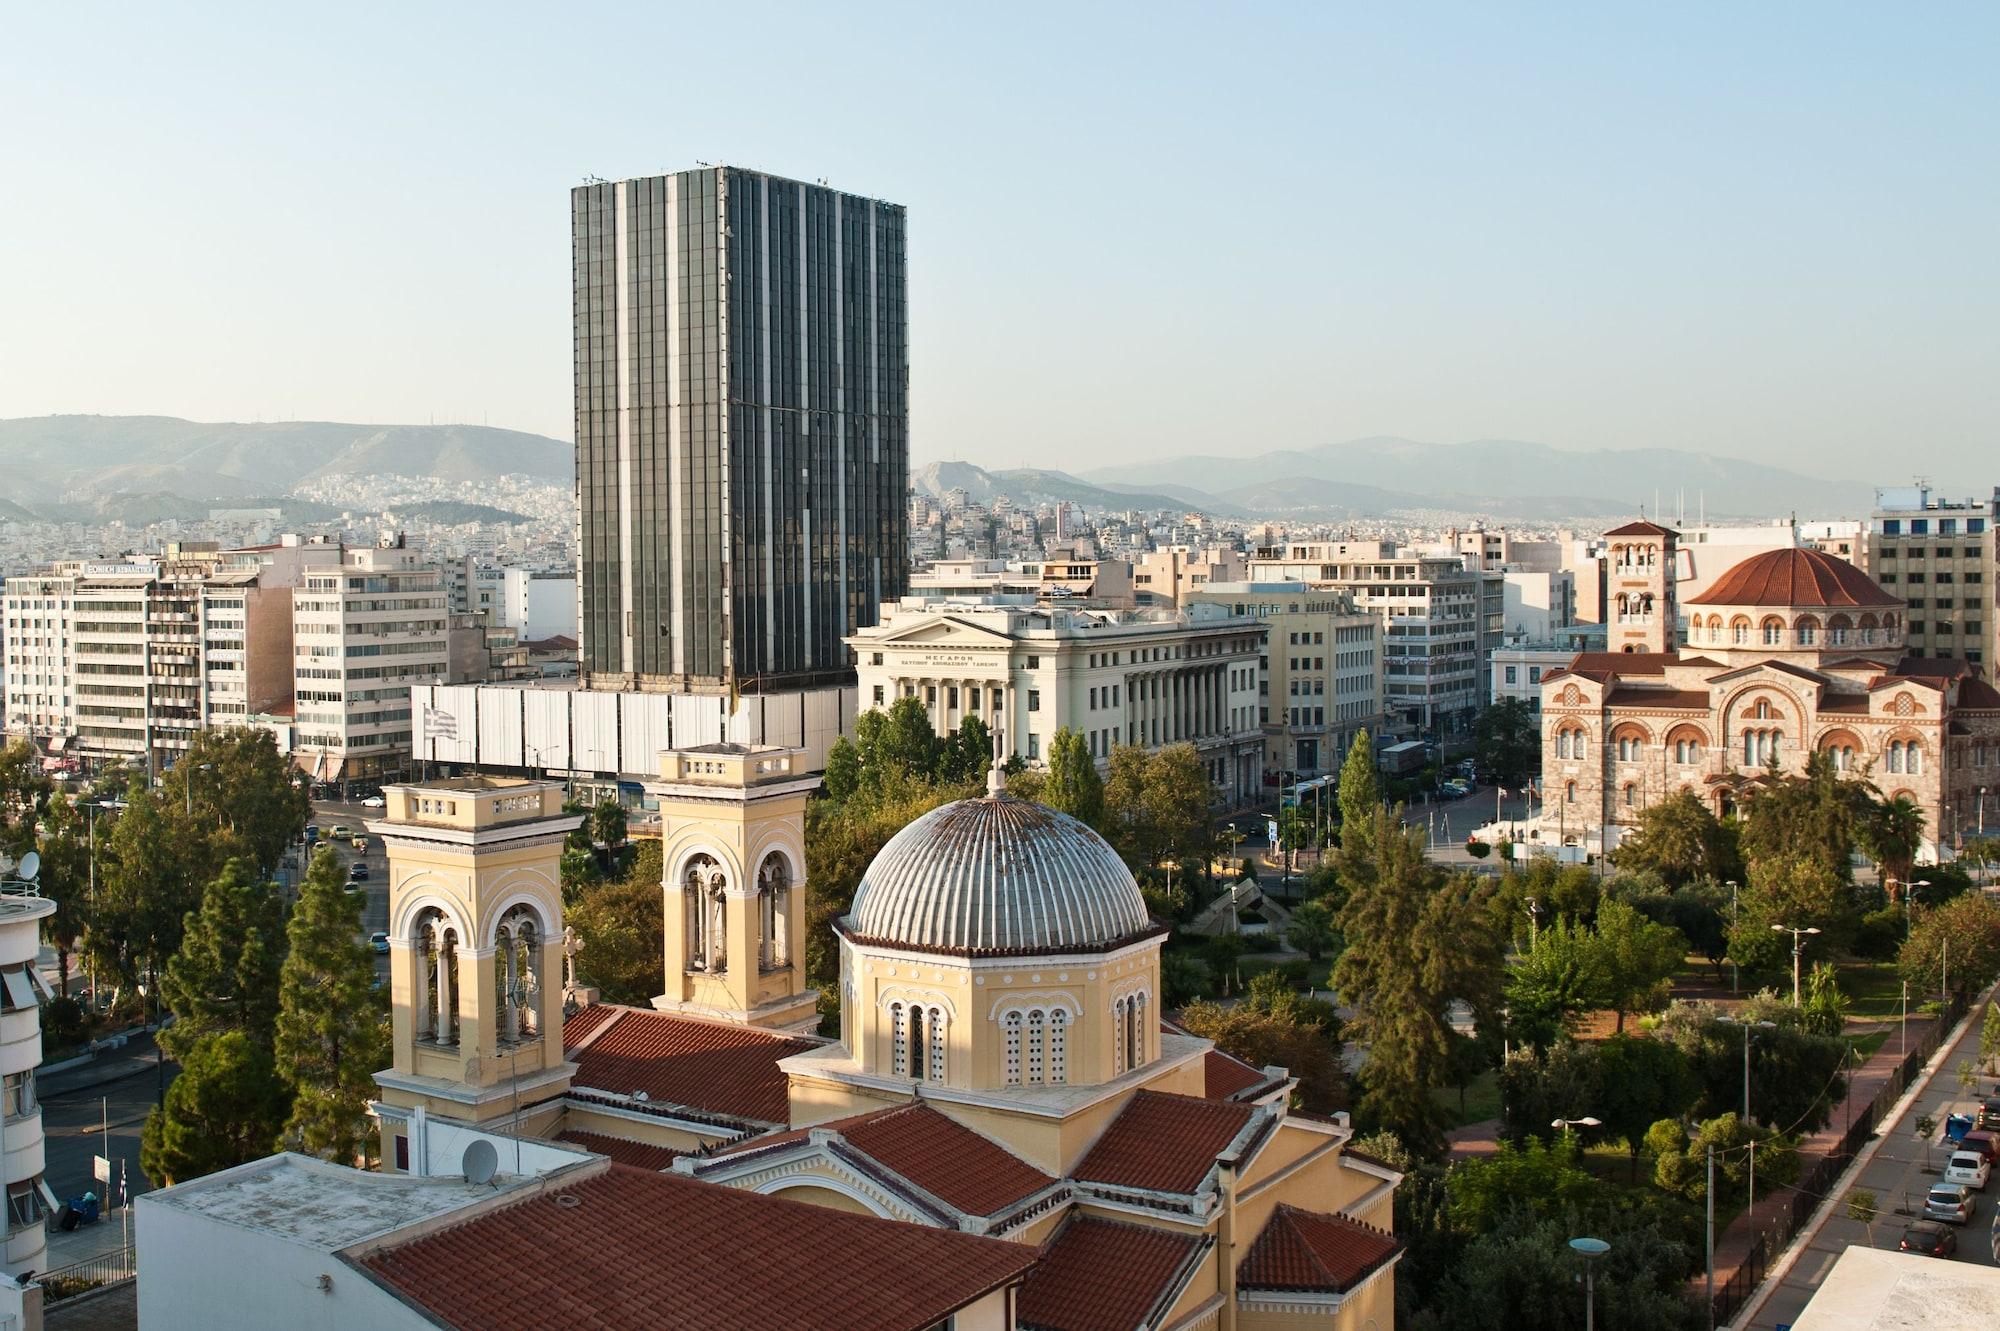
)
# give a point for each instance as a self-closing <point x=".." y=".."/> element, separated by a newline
<point x="1101" y="1275"/>
<point x="317" y="1204"/>
<point x="712" y="1067"/>
<point x="1869" y="1289"/>
<point x="1796" y="577"/>
<point x="1163" y="1143"/>
<point x="1308" y="1251"/>
<point x="630" y="1248"/>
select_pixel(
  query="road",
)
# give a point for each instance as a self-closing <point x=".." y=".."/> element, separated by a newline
<point x="375" y="915"/>
<point x="1901" y="1171"/>
<point x="72" y="1122"/>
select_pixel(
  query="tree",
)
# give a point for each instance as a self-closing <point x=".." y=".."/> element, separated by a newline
<point x="1313" y="929"/>
<point x="65" y="879"/>
<point x="1360" y="800"/>
<point x="332" y="1025"/>
<point x="1073" y="786"/>
<point x="1507" y="740"/>
<point x="1180" y="804"/>
<point x="1863" y="1208"/>
<point x="1302" y="1038"/>
<point x="1825" y="1008"/>
<point x="1559" y="979"/>
<point x="843" y="770"/>
<point x="608" y="825"/>
<point x="1798" y="892"/>
<point x="147" y="887"/>
<point x="841" y="842"/>
<point x="1796" y="1077"/>
<point x="1700" y="910"/>
<point x="239" y="793"/>
<point x="1686" y="1172"/>
<point x="225" y="976"/>
<point x="1813" y="817"/>
<point x="1643" y="1082"/>
<point x="226" y="1108"/>
<point x="1954" y="947"/>
<point x="1636" y="957"/>
<point x="23" y="789"/>
<point x="1542" y="1178"/>
<point x="1989" y="1036"/>
<point x="1893" y="832"/>
<point x="908" y="747"/>
<point x="1681" y="841"/>
<point x="1536" y="1090"/>
<point x="621" y="924"/>
<point x="1520" y="1275"/>
<point x="967" y="754"/>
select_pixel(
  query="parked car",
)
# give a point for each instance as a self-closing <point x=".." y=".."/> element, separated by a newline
<point x="357" y="872"/>
<point x="1930" y="1240"/>
<point x="1968" y="1167"/>
<point x="1950" y="1202"/>
<point x="1989" y="1112"/>
<point x="1956" y="1126"/>
<point x="378" y="941"/>
<point x="1986" y="1143"/>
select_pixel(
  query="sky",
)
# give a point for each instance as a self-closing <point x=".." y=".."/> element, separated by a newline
<point x="1135" y="231"/>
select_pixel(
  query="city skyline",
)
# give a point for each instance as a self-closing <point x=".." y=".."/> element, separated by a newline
<point x="1709" y="231"/>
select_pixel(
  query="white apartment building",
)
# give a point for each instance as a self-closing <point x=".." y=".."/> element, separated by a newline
<point x="1168" y="577"/>
<point x="1519" y="663"/>
<point x="1439" y="620"/>
<point x="1028" y="670"/>
<point x="363" y="633"/>
<point x="1323" y="671"/>
<point x="38" y="628"/>
<point x="538" y="603"/>
<point x="1536" y="604"/>
<point x="22" y="993"/>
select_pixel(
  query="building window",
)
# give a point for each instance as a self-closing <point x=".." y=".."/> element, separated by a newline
<point x="1034" y="700"/>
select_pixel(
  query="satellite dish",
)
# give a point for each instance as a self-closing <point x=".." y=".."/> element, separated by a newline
<point x="31" y="864"/>
<point x="481" y="1160"/>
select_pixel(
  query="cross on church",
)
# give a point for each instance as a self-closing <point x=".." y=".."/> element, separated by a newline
<point x="571" y="945"/>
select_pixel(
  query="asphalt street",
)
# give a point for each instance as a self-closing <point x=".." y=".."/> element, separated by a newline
<point x="73" y="1120"/>
<point x="1899" y="1174"/>
<point x="375" y="917"/>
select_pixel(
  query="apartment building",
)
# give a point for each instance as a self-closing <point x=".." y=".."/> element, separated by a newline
<point x="1323" y="671"/>
<point x="1168" y="577"/>
<point x="1438" y="619"/>
<point x="1115" y="677"/>
<point x="1939" y="555"/>
<point x="363" y="633"/>
<point x="1065" y="575"/>
<point x="38" y="626"/>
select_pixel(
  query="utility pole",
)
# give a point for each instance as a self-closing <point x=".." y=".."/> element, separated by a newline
<point x="1710" y="1300"/>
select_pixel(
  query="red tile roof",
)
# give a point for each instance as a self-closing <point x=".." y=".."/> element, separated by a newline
<point x="711" y="1066"/>
<point x="1642" y="528"/>
<point x="1223" y="1075"/>
<point x="1977" y="693"/>
<point x="937" y="1153"/>
<point x="639" y="1155"/>
<point x="1101" y="1275"/>
<point x="1795" y="577"/>
<point x="1682" y="699"/>
<point x="578" y="1025"/>
<point x="1622" y="663"/>
<point x="1162" y="1142"/>
<point x="1305" y="1250"/>
<point x="1931" y="667"/>
<point x="630" y="1248"/>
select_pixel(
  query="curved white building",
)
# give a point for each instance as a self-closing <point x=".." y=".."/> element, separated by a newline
<point x="22" y="910"/>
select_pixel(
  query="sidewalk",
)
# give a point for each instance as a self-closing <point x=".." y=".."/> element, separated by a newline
<point x="136" y="1056"/>
<point x="1734" y="1246"/>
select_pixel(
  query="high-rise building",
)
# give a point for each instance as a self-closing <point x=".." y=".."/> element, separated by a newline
<point x="1943" y="557"/>
<point x="742" y="427"/>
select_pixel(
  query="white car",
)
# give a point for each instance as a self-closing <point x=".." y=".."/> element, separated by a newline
<point x="1969" y="1168"/>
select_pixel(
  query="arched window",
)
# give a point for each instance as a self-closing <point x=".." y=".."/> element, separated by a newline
<point x="899" y="1039"/>
<point x="1038" y="1033"/>
<point x="517" y="966"/>
<point x="1808" y="630"/>
<point x="435" y="991"/>
<point x="1739" y="631"/>
<point x="1058" y="1046"/>
<point x="934" y="1060"/>
<point x="1774" y="631"/>
<point x="1628" y="794"/>
<point x="1570" y="743"/>
<point x="1837" y="630"/>
<point x="1569" y="793"/>
<point x="1715" y="628"/>
<point x="1011" y="1024"/>
<point x="704" y="890"/>
<point x="1867" y="628"/>
<point x="1906" y="757"/>
<point x="1628" y="748"/>
<point x="774" y="913"/>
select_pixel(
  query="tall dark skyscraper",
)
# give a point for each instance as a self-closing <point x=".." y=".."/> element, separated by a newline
<point x="742" y="427"/>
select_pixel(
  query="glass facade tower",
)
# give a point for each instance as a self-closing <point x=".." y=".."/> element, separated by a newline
<point x="742" y="428"/>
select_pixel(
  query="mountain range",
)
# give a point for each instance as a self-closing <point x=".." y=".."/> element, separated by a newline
<point x="1386" y="477"/>
<point x="84" y="458"/>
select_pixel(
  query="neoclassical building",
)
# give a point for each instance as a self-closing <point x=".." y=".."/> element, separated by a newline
<point x="1004" y="1136"/>
<point x="1791" y="652"/>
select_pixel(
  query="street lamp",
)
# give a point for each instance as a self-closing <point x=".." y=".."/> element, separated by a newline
<point x="1798" y="942"/>
<point x="1747" y="1032"/>
<point x="1735" y="972"/>
<point x="1563" y="1125"/>
<point x="1534" y="908"/>
<point x="1590" y="1250"/>
<point x="1909" y="891"/>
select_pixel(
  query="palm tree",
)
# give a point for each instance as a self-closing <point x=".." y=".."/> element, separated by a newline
<point x="1893" y="832"/>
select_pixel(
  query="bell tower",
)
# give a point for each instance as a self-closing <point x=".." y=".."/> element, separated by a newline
<point x="733" y="857"/>
<point x="1641" y="610"/>
<point x="476" y="955"/>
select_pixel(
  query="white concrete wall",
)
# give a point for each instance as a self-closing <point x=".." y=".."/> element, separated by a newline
<point x="538" y="606"/>
<point x="199" y="1272"/>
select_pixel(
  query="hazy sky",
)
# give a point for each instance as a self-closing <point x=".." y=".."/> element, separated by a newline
<point x="1766" y="230"/>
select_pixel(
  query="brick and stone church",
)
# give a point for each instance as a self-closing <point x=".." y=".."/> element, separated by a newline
<point x="1792" y="652"/>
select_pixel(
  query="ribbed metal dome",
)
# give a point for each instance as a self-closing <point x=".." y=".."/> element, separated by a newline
<point x="997" y="875"/>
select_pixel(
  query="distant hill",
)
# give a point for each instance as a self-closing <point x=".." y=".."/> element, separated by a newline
<point x="1030" y="487"/>
<point x="449" y="513"/>
<point x="1508" y="477"/>
<point x="50" y="458"/>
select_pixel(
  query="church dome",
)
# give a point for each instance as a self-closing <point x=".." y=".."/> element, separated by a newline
<point x="997" y="876"/>
<point x="1796" y="578"/>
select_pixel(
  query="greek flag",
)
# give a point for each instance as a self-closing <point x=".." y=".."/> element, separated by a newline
<point x="440" y="724"/>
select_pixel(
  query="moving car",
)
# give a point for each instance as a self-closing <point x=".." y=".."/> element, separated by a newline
<point x="1930" y="1240"/>
<point x="1949" y="1202"/>
<point x="339" y="830"/>
<point x="357" y="872"/>
<point x="374" y="802"/>
<point x="378" y="941"/>
<point x="1968" y="1167"/>
<point x="1989" y="1112"/>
